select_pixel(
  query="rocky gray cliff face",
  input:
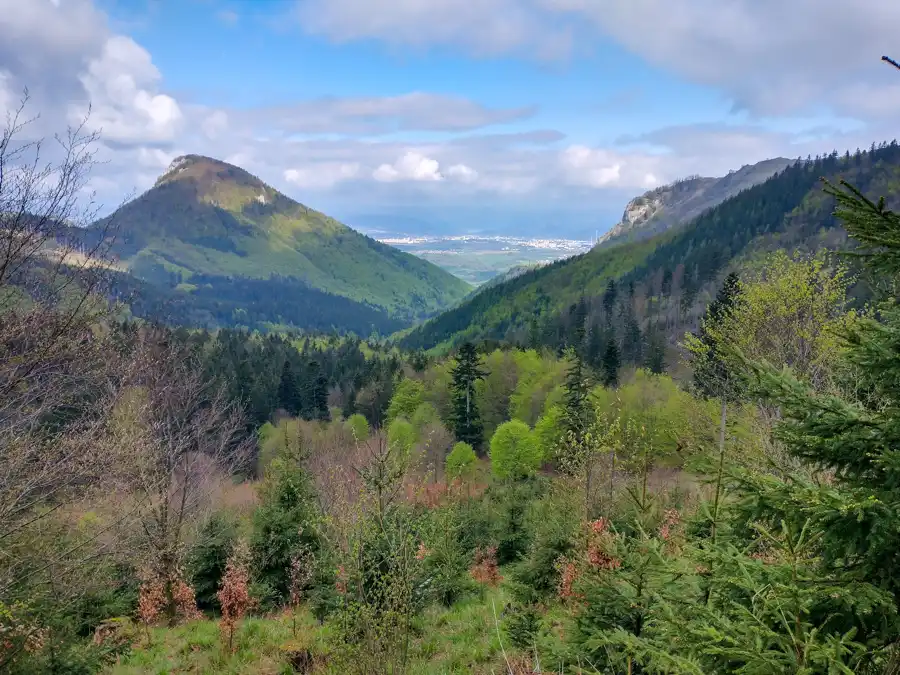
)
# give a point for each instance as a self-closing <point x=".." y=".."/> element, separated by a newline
<point x="671" y="206"/>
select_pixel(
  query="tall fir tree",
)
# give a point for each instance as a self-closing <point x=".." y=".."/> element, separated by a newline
<point x="289" y="396"/>
<point x="465" y="419"/>
<point x="314" y="392"/>
<point x="576" y="397"/>
<point x="611" y="364"/>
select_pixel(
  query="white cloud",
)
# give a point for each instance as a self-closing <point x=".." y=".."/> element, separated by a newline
<point x="322" y="175"/>
<point x="215" y="124"/>
<point x="463" y="173"/>
<point x="771" y="56"/>
<point x="411" y="166"/>
<point x="120" y="85"/>
<point x="154" y="158"/>
<point x="416" y="111"/>
<point x="485" y="27"/>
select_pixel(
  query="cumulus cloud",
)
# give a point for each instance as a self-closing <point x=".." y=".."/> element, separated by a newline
<point x="120" y="85"/>
<point x="410" y="166"/>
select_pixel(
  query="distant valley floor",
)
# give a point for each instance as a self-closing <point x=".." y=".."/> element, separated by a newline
<point x="478" y="259"/>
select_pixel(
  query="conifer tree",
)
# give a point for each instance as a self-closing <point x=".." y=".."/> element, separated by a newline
<point x="853" y="437"/>
<point x="465" y="419"/>
<point x="711" y="375"/>
<point x="289" y="396"/>
<point x="656" y="354"/>
<point x="577" y="404"/>
<point x="611" y="364"/>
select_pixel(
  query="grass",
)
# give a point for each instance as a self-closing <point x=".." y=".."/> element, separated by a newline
<point x="447" y="641"/>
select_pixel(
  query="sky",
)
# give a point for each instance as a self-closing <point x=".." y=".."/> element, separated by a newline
<point x="521" y="117"/>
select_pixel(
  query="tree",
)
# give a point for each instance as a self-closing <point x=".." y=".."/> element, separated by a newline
<point x="315" y="395"/>
<point x="711" y="373"/>
<point x="358" y="427"/>
<point x="408" y="395"/>
<point x="610" y="364"/>
<point x="656" y="354"/>
<point x="577" y="407"/>
<point x="59" y="375"/>
<point x="288" y="392"/>
<point x="401" y="436"/>
<point x="850" y="436"/>
<point x="609" y="300"/>
<point x="183" y="436"/>
<point x="460" y="462"/>
<point x="283" y="524"/>
<point x="514" y="452"/>
<point x="465" y="420"/>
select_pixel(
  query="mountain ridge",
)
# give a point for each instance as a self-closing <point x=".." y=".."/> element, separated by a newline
<point x="671" y="275"/>
<point x="210" y="218"/>
<point x="675" y="204"/>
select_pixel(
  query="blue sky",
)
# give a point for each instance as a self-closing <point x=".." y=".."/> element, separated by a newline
<point x="523" y="116"/>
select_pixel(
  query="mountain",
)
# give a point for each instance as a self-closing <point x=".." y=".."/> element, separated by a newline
<point x="673" y="205"/>
<point x="208" y="221"/>
<point x="657" y="287"/>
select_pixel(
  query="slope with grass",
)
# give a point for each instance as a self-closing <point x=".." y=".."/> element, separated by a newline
<point x="206" y="217"/>
<point x="674" y="269"/>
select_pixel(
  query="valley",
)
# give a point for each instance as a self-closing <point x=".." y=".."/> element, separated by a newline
<point x="342" y="385"/>
<point x="478" y="259"/>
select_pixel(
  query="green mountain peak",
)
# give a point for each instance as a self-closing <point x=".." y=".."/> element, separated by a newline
<point x="205" y="217"/>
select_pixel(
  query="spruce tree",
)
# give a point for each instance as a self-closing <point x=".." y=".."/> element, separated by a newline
<point x="854" y="437"/>
<point x="316" y="393"/>
<point x="289" y="396"/>
<point x="711" y="375"/>
<point x="611" y="364"/>
<point x="576" y="398"/>
<point x="465" y="419"/>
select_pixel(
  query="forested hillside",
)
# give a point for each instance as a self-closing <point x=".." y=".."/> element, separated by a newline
<point x="655" y="289"/>
<point x="210" y="224"/>
<point x="176" y="500"/>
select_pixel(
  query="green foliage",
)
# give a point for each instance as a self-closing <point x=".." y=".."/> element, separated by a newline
<point x="423" y="417"/>
<point x="208" y="557"/>
<point x="461" y="461"/>
<point x="401" y="436"/>
<point x="358" y="427"/>
<point x="521" y="624"/>
<point x="289" y="396"/>
<point x="446" y="560"/>
<point x="464" y="416"/>
<point x="514" y="452"/>
<point x="550" y="430"/>
<point x="409" y="394"/>
<point x="283" y="523"/>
